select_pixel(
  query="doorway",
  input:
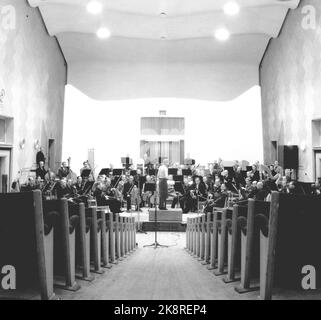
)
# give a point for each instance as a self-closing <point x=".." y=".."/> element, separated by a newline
<point x="5" y="162"/>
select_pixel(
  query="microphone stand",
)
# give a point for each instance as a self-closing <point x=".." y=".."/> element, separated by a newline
<point x="156" y="244"/>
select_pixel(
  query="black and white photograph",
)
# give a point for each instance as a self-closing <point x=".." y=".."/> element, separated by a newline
<point x="160" y="155"/>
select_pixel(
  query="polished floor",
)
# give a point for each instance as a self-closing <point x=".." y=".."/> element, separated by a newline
<point x="166" y="273"/>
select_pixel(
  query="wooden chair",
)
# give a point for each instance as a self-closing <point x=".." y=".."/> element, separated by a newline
<point x="26" y="242"/>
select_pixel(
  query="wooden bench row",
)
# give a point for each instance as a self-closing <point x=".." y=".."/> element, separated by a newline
<point x="264" y="242"/>
<point x="52" y="243"/>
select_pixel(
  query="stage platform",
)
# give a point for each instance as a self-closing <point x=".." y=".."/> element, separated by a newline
<point x="166" y="215"/>
<point x="144" y="218"/>
<point x="164" y="226"/>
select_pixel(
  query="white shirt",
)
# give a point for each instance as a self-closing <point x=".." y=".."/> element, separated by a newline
<point x="162" y="172"/>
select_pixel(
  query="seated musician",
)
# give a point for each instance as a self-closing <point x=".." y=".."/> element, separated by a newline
<point x="41" y="171"/>
<point x="197" y="193"/>
<point x="31" y="185"/>
<point x="247" y="191"/>
<point x="79" y="185"/>
<point x="63" y="171"/>
<point x="254" y="173"/>
<point x="146" y="195"/>
<point x="218" y="200"/>
<point x="238" y="178"/>
<point x="227" y="180"/>
<point x="208" y="184"/>
<point x="181" y="198"/>
<point x="105" y="196"/>
<point x="128" y="188"/>
<point x="62" y="189"/>
<point x="135" y="198"/>
<point x="261" y="192"/>
<point x="171" y="195"/>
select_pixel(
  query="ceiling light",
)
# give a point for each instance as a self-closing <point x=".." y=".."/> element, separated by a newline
<point x="231" y="8"/>
<point x="222" y="34"/>
<point x="94" y="7"/>
<point x="103" y="33"/>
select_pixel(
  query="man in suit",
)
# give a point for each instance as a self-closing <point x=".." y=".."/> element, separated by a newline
<point x="40" y="157"/>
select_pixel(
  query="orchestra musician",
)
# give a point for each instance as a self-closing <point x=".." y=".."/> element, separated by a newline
<point x="128" y="188"/>
<point x="146" y="195"/>
<point x="63" y="171"/>
<point x="197" y="192"/>
<point x="41" y="171"/>
<point x="217" y="199"/>
<point x="181" y="197"/>
<point x="105" y="195"/>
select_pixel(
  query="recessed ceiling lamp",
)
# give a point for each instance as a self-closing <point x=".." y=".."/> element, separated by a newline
<point x="94" y="7"/>
<point x="103" y="33"/>
<point x="222" y="34"/>
<point x="231" y="8"/>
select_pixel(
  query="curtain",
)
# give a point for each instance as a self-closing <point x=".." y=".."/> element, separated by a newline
<point x="162" y="126"/>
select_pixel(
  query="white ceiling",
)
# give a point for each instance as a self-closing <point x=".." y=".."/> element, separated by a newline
<point x="190" y="63"/>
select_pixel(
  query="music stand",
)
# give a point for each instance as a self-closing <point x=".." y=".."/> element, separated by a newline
<point x="187" y="172"/>
<point x="152" y="172"/>
<point x="172" y="171"/>
<point x="118" y="172"/>
<point x="152" y="188"/>
<point x="178" y="178"/>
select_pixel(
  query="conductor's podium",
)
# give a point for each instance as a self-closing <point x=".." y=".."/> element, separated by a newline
<point x="167" y="220"/>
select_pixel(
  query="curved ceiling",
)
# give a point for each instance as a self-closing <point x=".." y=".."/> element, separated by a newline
<point x="149" y="55"/>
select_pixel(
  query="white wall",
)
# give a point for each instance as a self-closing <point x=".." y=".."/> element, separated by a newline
<point x="231" y="130"/>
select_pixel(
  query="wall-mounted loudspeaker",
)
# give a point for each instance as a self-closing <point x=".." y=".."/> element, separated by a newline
<point x="288" y="157"/>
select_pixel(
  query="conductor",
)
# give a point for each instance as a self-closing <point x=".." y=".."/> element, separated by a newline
<point x="163" y="188"/>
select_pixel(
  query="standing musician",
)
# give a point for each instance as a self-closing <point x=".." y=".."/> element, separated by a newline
<point x="63" y="171"/>
<point x="86" y="167"/>
<point x="41" y="171"/>
<point x="163" y="188"/>
<point x="128" y="188"/>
